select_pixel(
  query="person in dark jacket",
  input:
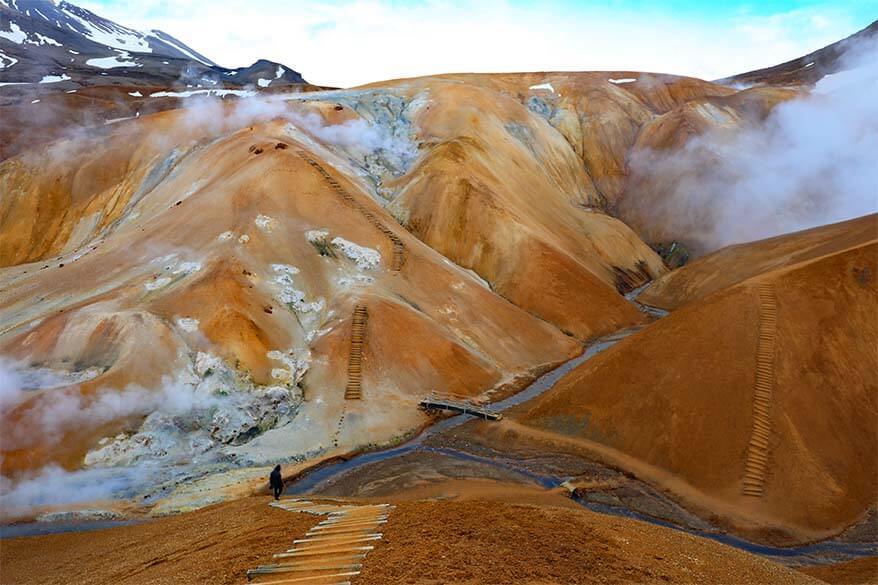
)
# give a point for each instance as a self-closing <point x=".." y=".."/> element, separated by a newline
<point x="276" y="482"/>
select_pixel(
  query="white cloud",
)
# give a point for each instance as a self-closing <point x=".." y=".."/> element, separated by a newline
<point x="810" y="163"/>
<point x="359" y="41"/>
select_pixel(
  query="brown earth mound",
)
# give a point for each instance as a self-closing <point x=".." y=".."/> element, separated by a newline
<point x="230" y="244"/>
<point x="757" y="402"/>
<point x="481" y="540"/>
<point x="618" y="124"/>
<point x="856" y="572"/>
<point x="735" y="264"/>
<point x="253" y="257"/>
<point x="498" y="542"/>
<point x="503" y="194"/>
<point x="213" y="545"/>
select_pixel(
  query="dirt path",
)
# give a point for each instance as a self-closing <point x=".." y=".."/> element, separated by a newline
<point x="694" y="499"/>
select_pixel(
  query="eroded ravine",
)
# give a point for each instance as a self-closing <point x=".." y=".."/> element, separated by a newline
<point x="312" y="480"/>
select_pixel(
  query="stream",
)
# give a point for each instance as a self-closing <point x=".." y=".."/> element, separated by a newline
<point x="315" y="478"/>
<point x="313" y="482"/>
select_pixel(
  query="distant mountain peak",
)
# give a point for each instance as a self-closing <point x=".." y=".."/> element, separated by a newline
<point x="72" y="46"/>
<point x="809" y="68"/>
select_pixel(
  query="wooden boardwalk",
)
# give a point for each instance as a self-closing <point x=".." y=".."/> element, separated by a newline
<point x="434" y="402"/>
<point x="753" y="483"/>
<point x="397" y="246"/>
<point x="330" y="553"/>
<point x="353" y="391"/>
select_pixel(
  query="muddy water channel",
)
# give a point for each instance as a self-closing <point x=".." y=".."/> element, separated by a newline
<point x="316" y="480"/>
<point x="452" y="449"/>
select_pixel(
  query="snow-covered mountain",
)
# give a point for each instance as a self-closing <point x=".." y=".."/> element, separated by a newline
<point x="814" y="66"/>
<point x="44" y="42"/>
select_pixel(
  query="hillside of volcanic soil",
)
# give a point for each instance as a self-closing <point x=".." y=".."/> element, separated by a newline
<point x="201" y="280"/>
<point x="737" y="400"/>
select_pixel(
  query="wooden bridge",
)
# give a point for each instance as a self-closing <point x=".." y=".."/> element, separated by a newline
<point x="436" y="402"/>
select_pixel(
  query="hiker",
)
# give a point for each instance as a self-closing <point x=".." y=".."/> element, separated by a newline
<point x="276" y="482"/>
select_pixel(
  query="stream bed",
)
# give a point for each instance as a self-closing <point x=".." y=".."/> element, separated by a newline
<point x="322" y="479"/>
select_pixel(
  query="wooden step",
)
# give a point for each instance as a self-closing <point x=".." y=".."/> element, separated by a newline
<point x="757" y="457"/>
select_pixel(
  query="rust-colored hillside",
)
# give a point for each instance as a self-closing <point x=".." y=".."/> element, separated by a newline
<point x="756" y="400"/>
<point x="197" y="284"/>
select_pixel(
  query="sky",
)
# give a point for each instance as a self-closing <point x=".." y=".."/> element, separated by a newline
<point x="350" y="42"/>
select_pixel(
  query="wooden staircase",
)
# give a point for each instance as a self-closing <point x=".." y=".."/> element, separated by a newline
<point x="333" y="551"/>
<point x="753" y="483"/>
<point x="353" y="391"/>
<point x="397" y="246"/>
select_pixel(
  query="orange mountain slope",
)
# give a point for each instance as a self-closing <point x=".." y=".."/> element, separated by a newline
<point x="225" y="247"/>
<point x="735" y="264"/>
<point x="239" y="263"/>
<point x="756" y="403"/>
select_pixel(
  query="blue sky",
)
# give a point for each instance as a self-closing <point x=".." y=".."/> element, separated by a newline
<point x="349" y="42"/>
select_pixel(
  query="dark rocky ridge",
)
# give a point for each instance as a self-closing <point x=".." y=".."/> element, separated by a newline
<point x="39" y="38"/>
<point x="808" y="69"/>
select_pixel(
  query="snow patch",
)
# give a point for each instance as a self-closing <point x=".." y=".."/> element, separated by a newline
<point x="285" y="269"/>
<point x="14" y="34"/>
<point x="135" y="94"/>
<point x="174" y="267"/>
<point x="547" y="86"/>
<point x="44" y="40"/>
<point x="366" y="258"/>
<point x="6" y="60"/>
<point x="623" y="80"/>
<point x="811" y="64"/>
<point x="187" y="268"/>
<point x="297" y="364"/>
<point x="355" y="280"/>
<point x="289" y="295"/>
<point x="112" y="62"/>
<point x="54" y="78"/>
<point x="106" y="33"/>
<point x="279" y="73"/>
<point x="316" y="236"/>
<point x="187" y="324"/>
<point x="225" y="236"/>
<point x="265" y="223"/>
<point x="262" y="82"/>
<point x="207" y="92"/>
<point x="157" y="283"/>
